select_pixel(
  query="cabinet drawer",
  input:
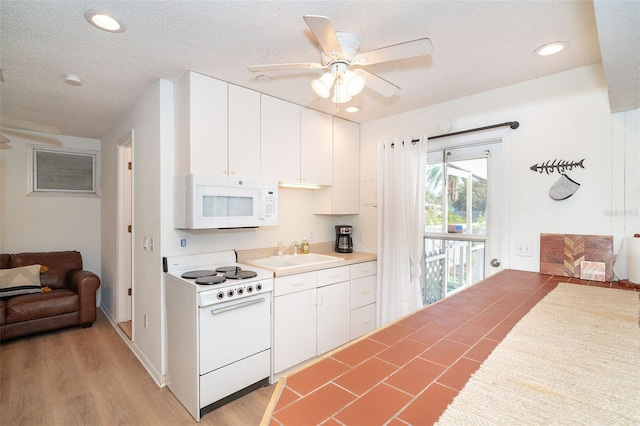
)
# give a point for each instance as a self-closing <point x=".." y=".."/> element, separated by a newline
<point x="363" y="269"/>
<point x="363" y="320"/>
<point x="294" y="283"/>
<point x="333" y="275"/>
<point x="363" y="291"/>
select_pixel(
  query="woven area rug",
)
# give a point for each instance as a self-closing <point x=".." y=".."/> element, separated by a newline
<point x="574" y="359"/>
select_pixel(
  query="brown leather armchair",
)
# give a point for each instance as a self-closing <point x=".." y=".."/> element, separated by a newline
<point x="71" y="301"/>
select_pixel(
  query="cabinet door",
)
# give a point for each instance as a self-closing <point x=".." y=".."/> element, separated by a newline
<point x="344" y="196"/>
<point x="280" y="145"/>
<point x="201" y="125"/>
<point x="294" y="283"/>
<point x="294" y="329"/>
<point x="363" y="320"/>
<point x="316" y="147"/>
<point x="332" y="275"/>
<point x="334" y="316"/>
<point x="363" y="291"/>
<point x="363" y="269"/>
<point x="244" y="132"/>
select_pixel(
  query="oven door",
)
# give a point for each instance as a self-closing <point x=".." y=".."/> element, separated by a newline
<point x="234" y="330"/>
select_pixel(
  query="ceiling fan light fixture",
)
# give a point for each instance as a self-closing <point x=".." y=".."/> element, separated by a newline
<point x="340" y="94"/>
<point x="322" y="86"/>
<point x="104" y="21"/>
<point x="354" y="82"/>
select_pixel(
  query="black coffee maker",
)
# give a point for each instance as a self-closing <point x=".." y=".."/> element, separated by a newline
<point x="344" y="243"/>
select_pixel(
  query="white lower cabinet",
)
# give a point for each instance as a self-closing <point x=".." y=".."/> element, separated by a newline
<point x="363" y="320"/>
<point x="363" y="298"/>
<point x="294" y="329"/>
<point x="314" y="312"/>
<point x="333" y="317"/>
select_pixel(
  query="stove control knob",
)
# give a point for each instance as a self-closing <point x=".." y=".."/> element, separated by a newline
<point x="230" y="293"/>
<point x="240" y="290"/>
<point x="258" y="287"/>
<point x="220" y="295"/>
<point x="249" y="288"/>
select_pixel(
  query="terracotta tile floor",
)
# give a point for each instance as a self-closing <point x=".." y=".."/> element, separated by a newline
<point x="408" y="372"/>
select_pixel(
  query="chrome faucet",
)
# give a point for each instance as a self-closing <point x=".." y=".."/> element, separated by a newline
<point x="282" y="249"/>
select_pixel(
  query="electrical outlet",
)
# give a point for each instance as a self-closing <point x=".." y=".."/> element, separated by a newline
<point x="361" y="237"/>
<point x="524" y="248"/>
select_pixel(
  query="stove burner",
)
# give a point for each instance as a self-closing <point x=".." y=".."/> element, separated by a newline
<point x="198" y="274"/>
<point x="210" y="280"/>
<point x="240" y="275"/>
<point x="224" y="269"/>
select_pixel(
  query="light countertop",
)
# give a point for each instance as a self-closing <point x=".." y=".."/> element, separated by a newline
<point x="246" y="256"/>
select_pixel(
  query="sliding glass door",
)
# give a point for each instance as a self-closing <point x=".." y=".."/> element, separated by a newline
<point x="457" y="217"/>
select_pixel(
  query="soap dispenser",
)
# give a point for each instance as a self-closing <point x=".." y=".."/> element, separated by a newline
<point x="305" y="245"/>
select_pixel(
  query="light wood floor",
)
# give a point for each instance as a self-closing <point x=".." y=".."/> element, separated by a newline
<point x="88" y="376"/>
<point x="127" y="328"/>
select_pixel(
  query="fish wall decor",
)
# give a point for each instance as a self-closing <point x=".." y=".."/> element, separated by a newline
<point x="559" y="166"/>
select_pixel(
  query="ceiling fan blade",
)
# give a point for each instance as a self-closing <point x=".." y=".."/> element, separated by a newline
<point x="379" y="84"/>
<point x="16" y="123"/>
<point x="290" y="66"/>
<point x="322" y="29"/>
<point x="409" y="49"/>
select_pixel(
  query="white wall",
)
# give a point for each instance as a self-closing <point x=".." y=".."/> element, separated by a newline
<point x="46" y="223"/>
<point x="563" y="116"/>
<point x="146" y="118"/>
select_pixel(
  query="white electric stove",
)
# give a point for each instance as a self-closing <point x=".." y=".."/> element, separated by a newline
<point x="218" y="329"/>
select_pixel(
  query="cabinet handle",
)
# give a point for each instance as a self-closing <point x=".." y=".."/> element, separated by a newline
<point x="365" y="291"/>
<point x="319" y="299"/>
<point x="314" y="299"/>
<point x="297" y="283"/>
<point x="364" y="321"/>
<point x="334" y="276"/>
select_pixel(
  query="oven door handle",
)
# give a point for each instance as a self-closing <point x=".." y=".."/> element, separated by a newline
<point x="237" y="306"/>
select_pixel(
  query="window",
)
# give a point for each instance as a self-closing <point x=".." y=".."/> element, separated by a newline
<point x="62" y="171"/>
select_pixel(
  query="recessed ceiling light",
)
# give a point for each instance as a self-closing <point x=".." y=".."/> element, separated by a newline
<point x="352" y="109"/>
<point x="551" y="48"/>
<point x="73" y="80"/>
<point x="104" y="21"/>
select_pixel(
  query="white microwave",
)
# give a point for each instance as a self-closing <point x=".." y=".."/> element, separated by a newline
<point x="209" y="202"/>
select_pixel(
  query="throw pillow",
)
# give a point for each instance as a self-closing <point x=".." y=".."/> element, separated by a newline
<point x="18" y="281"/>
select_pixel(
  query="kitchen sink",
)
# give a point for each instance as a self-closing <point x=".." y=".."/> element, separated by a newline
<point x="290" y="261"/>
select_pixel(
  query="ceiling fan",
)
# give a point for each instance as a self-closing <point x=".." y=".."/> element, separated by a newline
<point x="342" y="58"/>
<point x="17" y="124"/>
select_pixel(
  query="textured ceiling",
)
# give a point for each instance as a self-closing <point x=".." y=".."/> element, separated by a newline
<point x="478" y="46"/>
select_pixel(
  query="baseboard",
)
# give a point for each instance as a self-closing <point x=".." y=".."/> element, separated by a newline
<point x="158" y="378"/>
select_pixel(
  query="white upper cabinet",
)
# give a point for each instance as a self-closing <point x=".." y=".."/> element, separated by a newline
<point x="344" y="196"/>
<point x="244" y="132"/>
<point x="201" y="125"/>
<point x="316" y="147"/>
<point x="280" y="145"/>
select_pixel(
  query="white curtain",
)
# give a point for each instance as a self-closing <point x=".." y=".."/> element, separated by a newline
<point x="401" y="186"/>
